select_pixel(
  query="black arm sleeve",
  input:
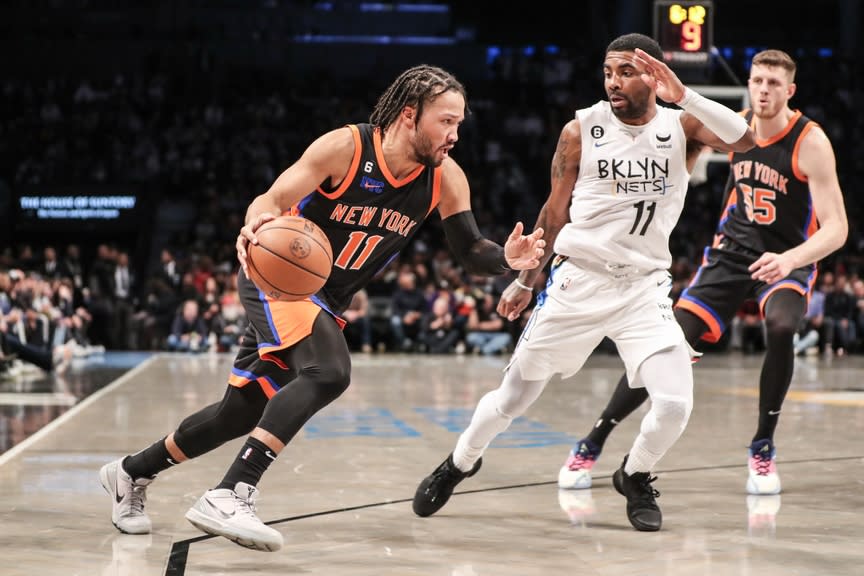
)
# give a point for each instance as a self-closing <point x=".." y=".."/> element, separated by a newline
<point x="477" y="254"/>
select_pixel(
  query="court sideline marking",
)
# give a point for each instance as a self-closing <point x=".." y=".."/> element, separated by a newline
<point x="73" y="411"/>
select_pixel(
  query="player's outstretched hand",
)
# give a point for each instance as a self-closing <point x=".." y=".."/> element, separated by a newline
<point x="524" y="252"/>
<point x="247" y="235"/>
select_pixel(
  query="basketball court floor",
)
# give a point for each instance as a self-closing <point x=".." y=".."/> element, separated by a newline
<point x="341" y="492"/>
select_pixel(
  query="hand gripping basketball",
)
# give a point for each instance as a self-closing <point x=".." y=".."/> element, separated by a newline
<point x="291" y="260"/>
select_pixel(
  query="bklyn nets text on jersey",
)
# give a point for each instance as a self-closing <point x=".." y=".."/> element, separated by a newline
<point x="645" y="176"/>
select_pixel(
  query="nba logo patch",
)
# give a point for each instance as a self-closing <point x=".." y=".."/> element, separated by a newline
<point x="565" y="283"/>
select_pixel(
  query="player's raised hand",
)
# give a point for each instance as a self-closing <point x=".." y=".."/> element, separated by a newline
<point x="660" y="77"/>
<point x="524" y="252"/>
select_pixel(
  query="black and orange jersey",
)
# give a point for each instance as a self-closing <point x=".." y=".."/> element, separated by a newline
<point x="369" y="217"/>
<point x="769" y="208"/>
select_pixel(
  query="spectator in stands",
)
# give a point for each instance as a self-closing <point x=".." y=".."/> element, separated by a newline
<point x="840" y="306"/>
<point x="232" y="317"/>
<point x="50" y="267"/>
<point x="816" y="330"/>
<point x="169" y="271"/>
<point x="439" y="334"/>
<point x="189" y="330"/>
<point x="358" y="331"/>
<point x="123" y="305"/>
<point x="409" y="304"/>
<point x="858" y="295"/>
<point x="748" y="328"/>
<point x="71" y="267"/>
<point x="153" y="322"/>
<point x="101" y="291"/>
<point x="486" y="332"/>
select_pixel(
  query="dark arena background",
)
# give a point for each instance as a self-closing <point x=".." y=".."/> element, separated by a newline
<point x="133" y="136"/>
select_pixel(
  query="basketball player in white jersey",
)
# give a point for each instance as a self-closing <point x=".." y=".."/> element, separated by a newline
<point x="619" y="177"/>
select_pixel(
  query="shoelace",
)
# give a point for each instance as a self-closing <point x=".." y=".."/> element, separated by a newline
<point x="580" y="461"/>
<point x="762" y="464"/>
<point x="137" y="498"/>
<point x="246" y="507"/>
<point x="441" y="474"/>
<point x="647" y="488"/>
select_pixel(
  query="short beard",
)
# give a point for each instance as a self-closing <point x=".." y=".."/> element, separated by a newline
<point x="422" y="145"/>
<point x="631" y="111"/>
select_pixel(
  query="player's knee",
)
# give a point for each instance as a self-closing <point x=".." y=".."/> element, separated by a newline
<point x="333" y="379"/>
<point x="515" y="395"/>
<point x="781" y="326"/>
<point x="673" y="410"/>
<point x="506" y="406"/>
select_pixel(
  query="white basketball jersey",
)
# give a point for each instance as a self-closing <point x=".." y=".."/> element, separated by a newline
<point x="629" y="193"/>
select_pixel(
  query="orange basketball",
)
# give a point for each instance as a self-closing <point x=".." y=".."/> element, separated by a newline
<point x="292" y="259"/>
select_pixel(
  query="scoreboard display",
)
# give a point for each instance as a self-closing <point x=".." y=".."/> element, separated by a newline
<point x="684" y="30"/>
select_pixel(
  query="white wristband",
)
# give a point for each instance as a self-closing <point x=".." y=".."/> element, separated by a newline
<point x="522" y="286"/>
<point x="722" y="120"/>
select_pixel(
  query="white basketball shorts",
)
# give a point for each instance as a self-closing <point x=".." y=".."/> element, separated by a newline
<point x="580" y="308"/>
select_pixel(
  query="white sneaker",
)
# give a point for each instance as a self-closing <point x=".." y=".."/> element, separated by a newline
<point x="231" y="513"/>
<point x="576" y="472"/>
<point x="762" y="478"/>
<point x="127" y="498"/>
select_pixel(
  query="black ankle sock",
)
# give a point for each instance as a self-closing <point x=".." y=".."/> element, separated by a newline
<point x="623" y="402"/>
<point x="767" y="424"/>
<point x="254" y="459"/>
<point x="149" y="462"/>
<point x="601" y="430"/>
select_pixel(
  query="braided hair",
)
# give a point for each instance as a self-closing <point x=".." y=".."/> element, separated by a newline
<point x="414" y="87"/>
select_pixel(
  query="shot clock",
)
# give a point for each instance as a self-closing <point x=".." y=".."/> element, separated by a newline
<point x="684" y="30"/>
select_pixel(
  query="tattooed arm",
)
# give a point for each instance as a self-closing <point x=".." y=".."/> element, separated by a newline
<point x="553" y="216"/>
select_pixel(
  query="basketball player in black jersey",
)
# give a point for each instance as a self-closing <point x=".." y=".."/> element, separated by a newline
<point x="783" y="213"/>
<point x="369" y="187"/>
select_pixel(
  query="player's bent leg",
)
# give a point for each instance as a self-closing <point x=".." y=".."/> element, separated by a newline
<point x="575" y="474"/>
<point x="784" y="311"/>
<point x="126" y="479"/>
<point x="668" y="377"/>
<point x="493" y="415"/>
<point x="322" y="363"/>
<point x="320" y="367"/>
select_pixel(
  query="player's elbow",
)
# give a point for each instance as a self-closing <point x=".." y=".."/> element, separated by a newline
<point x="842" y="233"/>
<point x="745" y="143"/>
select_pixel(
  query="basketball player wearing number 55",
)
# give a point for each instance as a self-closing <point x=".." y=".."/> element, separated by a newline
<point x="619" y="177"/>
<point x="369" y="187"/>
